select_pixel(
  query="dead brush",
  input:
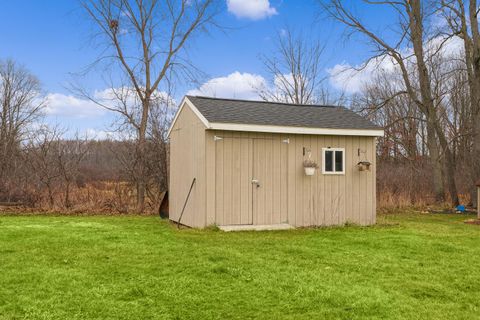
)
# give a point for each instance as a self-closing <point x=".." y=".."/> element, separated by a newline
<point x="105" y="197"/>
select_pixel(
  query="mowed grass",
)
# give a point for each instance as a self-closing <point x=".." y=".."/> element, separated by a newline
<point x="407" y="267"/>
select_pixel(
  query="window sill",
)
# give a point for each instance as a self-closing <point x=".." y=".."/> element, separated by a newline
<point x="334" y="173"/>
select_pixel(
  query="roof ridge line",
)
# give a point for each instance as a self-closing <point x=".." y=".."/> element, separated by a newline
<point x="261" y="101"/>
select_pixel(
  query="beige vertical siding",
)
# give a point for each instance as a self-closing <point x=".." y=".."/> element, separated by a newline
<point x="269" y="157"/>
<point x="187" y="161"/>
<point x="231" y="200"/>
<point x="240" y="157"/>
<point x="286" y="194"/>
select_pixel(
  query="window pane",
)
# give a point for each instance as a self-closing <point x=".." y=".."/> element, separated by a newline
<point x="338" y="161"/>
<point x="328" y="161"/>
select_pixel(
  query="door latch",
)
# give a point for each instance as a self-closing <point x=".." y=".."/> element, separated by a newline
<point x="256" y="182"/>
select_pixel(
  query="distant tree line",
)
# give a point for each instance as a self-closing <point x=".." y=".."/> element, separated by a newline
<point x="40" y="168"/>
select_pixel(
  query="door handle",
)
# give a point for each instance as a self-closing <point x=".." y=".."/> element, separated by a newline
<point x="256" y="182"/>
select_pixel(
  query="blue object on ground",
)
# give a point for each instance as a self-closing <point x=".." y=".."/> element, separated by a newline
<point x="461" y="208"/>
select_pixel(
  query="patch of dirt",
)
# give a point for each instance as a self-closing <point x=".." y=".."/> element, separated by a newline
<point x="473" y="221"/>
<point x="444" y="211"/>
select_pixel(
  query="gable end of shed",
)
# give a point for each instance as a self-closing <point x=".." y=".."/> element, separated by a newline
<point x="186" y="103"/>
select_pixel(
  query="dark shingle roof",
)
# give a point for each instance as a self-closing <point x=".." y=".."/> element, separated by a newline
<point x="279" y="114"/>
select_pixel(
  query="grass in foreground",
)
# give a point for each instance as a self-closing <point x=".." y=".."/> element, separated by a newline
<point x="406" y="267"/>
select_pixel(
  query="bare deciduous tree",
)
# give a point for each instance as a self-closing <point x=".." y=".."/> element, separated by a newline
<point x="41" y="153"/>
<point x="20" y="106"/>
<point x="412" y="15"/>
<point x="146" y="40"/>
<point x="69" y="155"/>
<point x="462" y="19"/>
<point x="295" y="69"/>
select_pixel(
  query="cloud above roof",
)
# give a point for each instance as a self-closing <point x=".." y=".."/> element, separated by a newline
<point x="251" y="9"/>
<point x="235" y="85"/>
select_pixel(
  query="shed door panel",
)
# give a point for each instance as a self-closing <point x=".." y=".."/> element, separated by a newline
<point x="269" y="169"/>
<point x="233" y="194"/>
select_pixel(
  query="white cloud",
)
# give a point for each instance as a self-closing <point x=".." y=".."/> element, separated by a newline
<point x="353" y="78"/>
<point x="244" y="86"/>
<point x="97" y="134"/>
<point x="58" y="104"/>
<point x="450" y="47"/>
<point x="251" y="9"/>
<point x="235" y="85"/>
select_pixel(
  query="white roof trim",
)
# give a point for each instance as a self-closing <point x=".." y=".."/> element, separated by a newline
<point x="187" y="102"/>
<point x="296" y="130"/>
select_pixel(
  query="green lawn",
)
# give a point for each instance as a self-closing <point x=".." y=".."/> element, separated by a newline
<point x="406" y="267"/>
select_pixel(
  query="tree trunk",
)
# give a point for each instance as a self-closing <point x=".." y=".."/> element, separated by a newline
<point x="141" y="168"/>
<point x="449" y="166"/>
<point x="428" y="106"/>
<point x="50" y="196"/>
<point x="67" y="195"/>
<point x="141" y="183"/>
<point x="476" y="159"/>
<point x="472" y="53"/>
<point x="450" y="171"/>
<point x="432" y="145"/>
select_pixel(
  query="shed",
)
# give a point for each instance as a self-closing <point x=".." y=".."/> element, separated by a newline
<point x="241" y="162"/>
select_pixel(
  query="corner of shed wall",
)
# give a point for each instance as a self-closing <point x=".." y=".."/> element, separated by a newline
<point x="210" y="176"/>
<point x="187" y="161"/>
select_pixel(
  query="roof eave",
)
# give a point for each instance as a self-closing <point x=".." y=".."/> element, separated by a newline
<point x="295" y="130"/>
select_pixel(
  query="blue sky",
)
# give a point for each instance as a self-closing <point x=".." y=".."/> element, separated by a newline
<point x="52" y="39"/>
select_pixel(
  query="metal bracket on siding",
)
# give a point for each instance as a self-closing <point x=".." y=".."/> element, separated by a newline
<point x="286" y="140"/>
<point x="216" y="138"/>
<point x="306" y="151"/>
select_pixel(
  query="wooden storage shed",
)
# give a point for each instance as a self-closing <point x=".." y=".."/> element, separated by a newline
<point x="243" y="164"/>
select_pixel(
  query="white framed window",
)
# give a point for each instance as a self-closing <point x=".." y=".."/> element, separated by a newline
<point x="333" y="161"/>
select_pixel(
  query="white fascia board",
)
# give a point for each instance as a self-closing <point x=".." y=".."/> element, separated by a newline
<point x="296" y="130"/>
<point x="188" y="103"/>
<point x="182" y="104"/>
